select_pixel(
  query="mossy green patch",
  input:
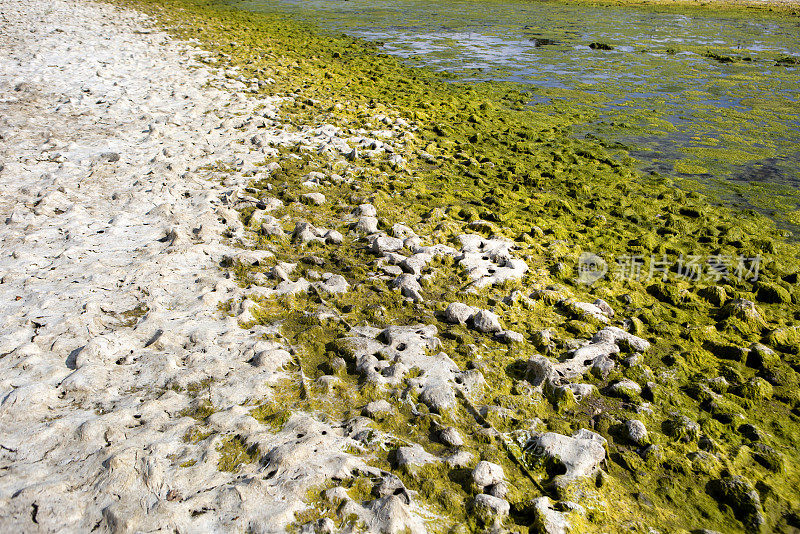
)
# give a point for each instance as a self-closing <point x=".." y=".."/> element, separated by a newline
<point x="233" y="452"/>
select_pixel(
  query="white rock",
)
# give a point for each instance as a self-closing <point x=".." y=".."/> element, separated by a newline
<point x="401" y="231"/>
<point x="409" y="286"/>
<point x="333" y="237"/>
<point x="414" y="455"/>
<point x="605" y="307"/>
<point x="451" y="436"/>
<point x="625" y="388"/>
<point x="366" y="225"/>
<point x="459" y="313"/>
<point x="333" y="283"/>
<point x="460" y="459"/>
<point x="382" y="244"/>
<point x="487" y="474"/>
<point x="272" y="359"/>
<point x="377" y="408"/>
<point x="491" y="506"/>
<point x="509" y="337"/>
<point x="580" y="455"/>
<point x="486" y="321"/>
<point x="636" y="431"/>
<point x="547" y="519"/>
<point x="317" y="199"/>
<point x="366" y="210"/>
<point x="438" y="395"/>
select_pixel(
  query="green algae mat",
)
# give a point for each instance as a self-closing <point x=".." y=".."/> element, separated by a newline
<point x="714" y="289"/>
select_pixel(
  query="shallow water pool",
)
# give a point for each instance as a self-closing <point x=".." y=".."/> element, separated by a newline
<point x="696" y="94"/>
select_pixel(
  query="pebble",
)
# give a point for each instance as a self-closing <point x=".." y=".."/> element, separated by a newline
<point x="458" y="313"/>
<point x="491" y="506"/>
<point x="487" y="474"/>
<point x="636" y="431"/>
<point x="451" y="436"/>
<point x="316" y="199"/>
<point x="486" y="321"/>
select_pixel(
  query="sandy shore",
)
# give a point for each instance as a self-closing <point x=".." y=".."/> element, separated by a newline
<point x="114" y="228"/>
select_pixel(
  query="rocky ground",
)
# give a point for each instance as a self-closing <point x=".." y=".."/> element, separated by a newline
<point x="213" y="322"/>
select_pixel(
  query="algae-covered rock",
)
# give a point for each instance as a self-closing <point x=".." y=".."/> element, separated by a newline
<point x="756" y="389"/>
<point x="587" y="312"/>
<point x="629" y="460"/>
<point x="716" y="295"/>
<point x="787" y="338"/>
<point x="705" y="462"/>
<point x="718" y="384"/>
<point x="669" y="293"/>
<point x="751" y="432"/>
<point x="562" y="397"/>
<point x="549" y="296"/>
<point x="635" y="326"/>
<point x="636" y="432"/>
<point x="652" y="455"/>
<point x="772" y="293"/>
<point x="767" y="457"/>
<point x="743" y="315"/>
<point x="762" y="357"/>
<point x="738" y="493"/>
<point x="681" y="428"/>
<point x="625" y="389"/>
<point x="722" y="407"/>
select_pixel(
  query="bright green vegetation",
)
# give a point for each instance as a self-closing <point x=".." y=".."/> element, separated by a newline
<point x="482" y="154"/>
